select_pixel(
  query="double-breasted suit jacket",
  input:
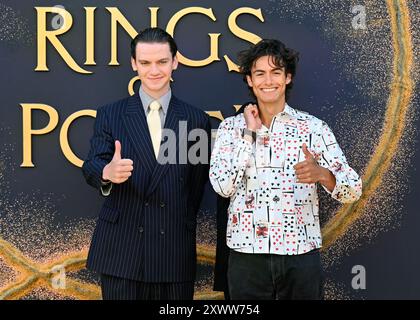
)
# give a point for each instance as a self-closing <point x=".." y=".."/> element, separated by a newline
<point x="146" y="229"/>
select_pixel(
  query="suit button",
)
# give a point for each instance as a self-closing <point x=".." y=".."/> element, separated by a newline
<point x="181" y="179"/>
<point x="162" y="204"/>
<point x="162" y="232"/>
<point x="146" y="204"/>
<point x="141" y="229"/>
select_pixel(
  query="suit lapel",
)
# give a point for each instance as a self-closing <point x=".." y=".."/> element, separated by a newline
<point x="136" y="125"/>
<point x="174" y="115"/>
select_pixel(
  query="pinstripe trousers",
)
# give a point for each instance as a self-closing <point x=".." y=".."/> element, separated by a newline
<point x="114" y="288"/>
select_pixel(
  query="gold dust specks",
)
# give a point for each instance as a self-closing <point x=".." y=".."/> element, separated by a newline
<point x="43" y="293"/>
<point x="385" y="209"/>
<point x="33" y="275"/>
<point x="32" y="243"/>
<point x="29" y="223"/>
<point x="414" y="7"/>
<point x="206" y="228"/>
<point x="335" y="291"/>
<point x="7" y="274"/>
<point x="13" y="27"/>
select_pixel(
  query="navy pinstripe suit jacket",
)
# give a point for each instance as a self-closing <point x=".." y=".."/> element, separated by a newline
<point x="146" y="229"/>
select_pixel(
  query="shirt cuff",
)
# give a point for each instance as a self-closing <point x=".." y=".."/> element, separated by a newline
<point x="106" y="188"/>
<point x="342" y="191"/>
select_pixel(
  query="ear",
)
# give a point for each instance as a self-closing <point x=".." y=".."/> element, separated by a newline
<point x="133" y="64"/>
<point x="288" y="78"/>
<point x="249" y="80"/>
<point x="175" y="63"/>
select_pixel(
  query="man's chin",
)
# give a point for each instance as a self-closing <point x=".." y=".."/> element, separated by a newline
<point x="269" y="100"/>
<point x="156" y="88"/>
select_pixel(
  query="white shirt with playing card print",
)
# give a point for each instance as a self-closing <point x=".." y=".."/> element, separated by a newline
<point x="269" y="211"/>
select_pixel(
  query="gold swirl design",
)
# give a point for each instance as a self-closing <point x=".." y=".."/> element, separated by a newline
<point x="32" y="275"/>
<point x="398" y="103"/>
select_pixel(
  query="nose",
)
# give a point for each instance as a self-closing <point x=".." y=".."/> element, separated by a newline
<point x="155" y="69"/>
<point x="268" y="79"/>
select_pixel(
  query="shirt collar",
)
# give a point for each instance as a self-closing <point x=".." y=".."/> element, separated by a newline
<point x="146" y="100"/>
<point x="287" y="110"/>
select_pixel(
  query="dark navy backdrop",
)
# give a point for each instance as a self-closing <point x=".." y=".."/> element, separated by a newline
<point x="390" y="260"/>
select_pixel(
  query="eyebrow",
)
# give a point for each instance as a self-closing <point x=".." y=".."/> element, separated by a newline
<point x="160" y="60"/>
<point x="275" y="69"/>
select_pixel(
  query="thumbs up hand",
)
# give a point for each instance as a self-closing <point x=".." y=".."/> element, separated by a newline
<point x="307" y="153"/>
<point x="309" y="171"/>
<point x="118" y="170"/>
<point x="117" y="153"/>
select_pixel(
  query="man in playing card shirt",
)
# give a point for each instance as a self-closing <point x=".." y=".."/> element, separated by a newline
<point x="268" y="160"/>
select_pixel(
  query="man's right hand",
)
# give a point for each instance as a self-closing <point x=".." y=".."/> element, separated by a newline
<point x="252" y="117"/>
<point x="118" y="170"/>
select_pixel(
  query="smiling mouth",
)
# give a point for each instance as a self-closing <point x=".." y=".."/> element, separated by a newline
<point x="269" y="89"/>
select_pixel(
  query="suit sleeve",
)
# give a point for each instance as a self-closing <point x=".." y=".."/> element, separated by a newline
<point x="100" y="153"/>
<point x="348" y="186"/>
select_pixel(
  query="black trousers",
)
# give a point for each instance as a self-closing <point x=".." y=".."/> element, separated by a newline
<point x="270" y="276"/>
<point x="114" y="288"/>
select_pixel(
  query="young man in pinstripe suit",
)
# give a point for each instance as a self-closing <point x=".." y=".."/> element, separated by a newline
<point x="144" y="244"/>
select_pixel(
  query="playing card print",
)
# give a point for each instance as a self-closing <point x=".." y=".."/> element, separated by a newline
<point x="270" y="212"/>
<point x="261" y="237"/>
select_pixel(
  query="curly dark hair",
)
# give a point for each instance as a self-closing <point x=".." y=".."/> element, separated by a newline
<point x="282" y="57"/>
